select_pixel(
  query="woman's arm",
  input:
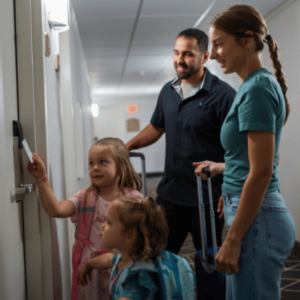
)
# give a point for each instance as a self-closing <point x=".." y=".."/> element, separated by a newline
<point x="261" y="148"/>
<point x="62" y="209"/>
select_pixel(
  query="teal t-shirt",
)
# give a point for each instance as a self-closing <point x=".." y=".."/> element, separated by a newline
<point x="258" y="106"/>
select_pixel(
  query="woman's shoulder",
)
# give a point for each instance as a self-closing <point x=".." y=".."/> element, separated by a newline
<point x="261" y="82"/>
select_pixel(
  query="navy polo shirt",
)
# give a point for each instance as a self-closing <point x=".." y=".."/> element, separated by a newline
<point x="192" y="129"/>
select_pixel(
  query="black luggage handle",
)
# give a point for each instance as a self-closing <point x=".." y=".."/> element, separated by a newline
<point x="208" y="261"/>
<point x="142" y="156"/>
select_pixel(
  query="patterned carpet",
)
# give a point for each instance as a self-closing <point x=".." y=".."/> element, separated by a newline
<point x="290" y="280"/>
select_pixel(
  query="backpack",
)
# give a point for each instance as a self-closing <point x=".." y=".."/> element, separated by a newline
<point x="175" y="277"/>
<point x="85" y="218"/>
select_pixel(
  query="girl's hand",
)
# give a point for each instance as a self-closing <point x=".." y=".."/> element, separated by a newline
<point x="84" y="272"/>
<point x="227" y="258"/>
<point x="215" y="168"/>
<point x="37" y="168"/>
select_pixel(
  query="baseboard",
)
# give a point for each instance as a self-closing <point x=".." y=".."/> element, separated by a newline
<point x="155" y="174"/>
<point x="296" y="250"/>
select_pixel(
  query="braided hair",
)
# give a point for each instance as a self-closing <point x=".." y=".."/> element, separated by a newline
<point x="237" y="20"/>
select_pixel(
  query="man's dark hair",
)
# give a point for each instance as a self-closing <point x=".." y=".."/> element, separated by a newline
<point x="199" y="35"/>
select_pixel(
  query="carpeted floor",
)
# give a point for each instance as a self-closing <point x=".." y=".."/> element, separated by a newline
<point x="290" y="280"/>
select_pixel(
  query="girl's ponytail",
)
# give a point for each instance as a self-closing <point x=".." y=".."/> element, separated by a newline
<point x="154" y="229"/>
<point x="274" y="54"/>
<point x="147" y="220"/>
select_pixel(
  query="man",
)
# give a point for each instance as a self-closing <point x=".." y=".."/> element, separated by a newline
<point x="190" y="110"/>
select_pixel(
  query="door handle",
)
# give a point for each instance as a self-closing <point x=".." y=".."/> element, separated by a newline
<point x="25" y="189"/>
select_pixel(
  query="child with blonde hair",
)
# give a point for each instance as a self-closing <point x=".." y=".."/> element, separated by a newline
<point x="136" y="227"/>
<point x="112" y="176"/>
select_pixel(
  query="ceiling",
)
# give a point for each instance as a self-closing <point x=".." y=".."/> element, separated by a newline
<point x="128" y="44"/>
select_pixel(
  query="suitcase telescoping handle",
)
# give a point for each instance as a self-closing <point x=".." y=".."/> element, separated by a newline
<point x="208" y="264"/>
<point x="142" y="156"/>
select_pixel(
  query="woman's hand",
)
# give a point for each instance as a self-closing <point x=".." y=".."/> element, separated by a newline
<point x="37" y="168"/>
<point x="227" y="258"/>
<point x="215" y="168"/>
<point x="84" y="273"/>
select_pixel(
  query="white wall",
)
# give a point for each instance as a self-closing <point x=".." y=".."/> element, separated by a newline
<point x="155" y="154"/>
<point x="81" y="93"/>
<point x="285" y="28"/>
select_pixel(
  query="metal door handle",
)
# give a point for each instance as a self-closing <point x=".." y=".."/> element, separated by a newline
<point x="25" y="189"/>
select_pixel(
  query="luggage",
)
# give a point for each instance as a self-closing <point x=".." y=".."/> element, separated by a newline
<point x="142" y="156"/>
<point x="210" y="283"/>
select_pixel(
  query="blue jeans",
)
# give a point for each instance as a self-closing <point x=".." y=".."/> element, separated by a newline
<point x="266" y="244"/>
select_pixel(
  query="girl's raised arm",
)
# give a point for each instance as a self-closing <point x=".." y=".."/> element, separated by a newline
<point x="62" y="209"/>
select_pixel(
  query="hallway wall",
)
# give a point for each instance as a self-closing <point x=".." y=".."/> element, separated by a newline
<point x="155" y="154"/>
<point x="284" y="27"/>
<point x="81" y="93"/>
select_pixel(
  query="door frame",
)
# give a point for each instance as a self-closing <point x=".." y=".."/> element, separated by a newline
<point x="32" y="115"/>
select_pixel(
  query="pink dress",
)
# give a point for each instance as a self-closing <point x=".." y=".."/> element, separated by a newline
<point x="97" y="288"/>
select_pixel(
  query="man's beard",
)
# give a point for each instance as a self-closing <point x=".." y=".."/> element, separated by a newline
<point x="186" y="75"/>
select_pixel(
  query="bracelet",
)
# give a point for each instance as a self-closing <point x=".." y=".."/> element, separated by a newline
<point x="43" y="178"/>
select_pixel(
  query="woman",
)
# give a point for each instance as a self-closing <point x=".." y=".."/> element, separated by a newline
<point x="262" y="231"/>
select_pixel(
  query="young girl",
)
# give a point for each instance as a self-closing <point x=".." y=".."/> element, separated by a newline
<point x="137" y="228"/>
<point x="112" y="176"/>
<point x="262" y="231"/>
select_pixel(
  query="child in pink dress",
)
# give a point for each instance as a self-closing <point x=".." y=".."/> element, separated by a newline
<point x="112" y="176"/>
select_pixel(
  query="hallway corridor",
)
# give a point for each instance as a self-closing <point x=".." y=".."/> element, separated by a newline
<point x="290" y="280"/>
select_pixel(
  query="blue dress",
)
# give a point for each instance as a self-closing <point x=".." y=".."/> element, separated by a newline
<point x="137" y="281"/>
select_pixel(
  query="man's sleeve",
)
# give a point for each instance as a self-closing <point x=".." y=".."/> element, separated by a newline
<point x="225" y="106"/>
<point x="158" y="118"/>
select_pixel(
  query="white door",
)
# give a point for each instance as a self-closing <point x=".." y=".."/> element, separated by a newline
<point x="12" y="275"/>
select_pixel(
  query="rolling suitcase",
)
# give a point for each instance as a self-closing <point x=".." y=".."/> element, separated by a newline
<point x="142" y="156"/>
<point x="210" y="283"/>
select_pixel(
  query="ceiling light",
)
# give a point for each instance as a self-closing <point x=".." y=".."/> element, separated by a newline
<point x="59" y="14"/>
<point x="95" y="110"/>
